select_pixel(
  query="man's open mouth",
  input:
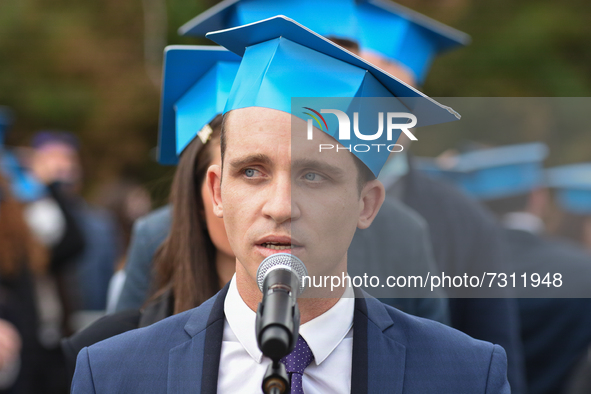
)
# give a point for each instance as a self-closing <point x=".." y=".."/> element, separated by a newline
<point x="277" y="245"/>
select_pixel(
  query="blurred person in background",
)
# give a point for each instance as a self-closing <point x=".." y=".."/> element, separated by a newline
<point x="55" y="161"/>
<point x="106" y="228"/>
<point x="575" y="227"/>
<point x="24" y="263"/>
<point x="38" y="178"/>
<point x="464" y="235"/>
<point x="572" y="193"/>
<point x="127" y="201"/>
<point x="555" y="320"/>
<point x="40" y="307"/>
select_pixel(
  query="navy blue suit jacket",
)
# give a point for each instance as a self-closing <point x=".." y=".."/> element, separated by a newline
<point x="392" y="353"/>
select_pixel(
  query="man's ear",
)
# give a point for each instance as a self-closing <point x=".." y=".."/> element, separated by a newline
<point x="214" y="185"/>
<point x="371" y="199"/>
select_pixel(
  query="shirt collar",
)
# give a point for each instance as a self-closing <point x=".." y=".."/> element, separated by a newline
<point x="323" y="333"/>
<point x="523" y="221"/>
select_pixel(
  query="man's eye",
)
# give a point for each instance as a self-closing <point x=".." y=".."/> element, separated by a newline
<point x="249" y="172"/>
<point x="312" y="176"/>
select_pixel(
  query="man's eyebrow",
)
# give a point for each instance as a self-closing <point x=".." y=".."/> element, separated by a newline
<point x="250" y="159"/>
<point x="318" y="165"/>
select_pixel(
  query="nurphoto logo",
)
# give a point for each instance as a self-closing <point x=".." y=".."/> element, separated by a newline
<point x="344" y="131"/>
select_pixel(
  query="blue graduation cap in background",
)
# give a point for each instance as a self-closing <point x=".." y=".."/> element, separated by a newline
<point x="573" y="184"/>
<point x="195" y="85"/>
<point x="493" y="173"/>
<point x="23" y="185"/>
<point x="405" y="36"/>
<point x="381" y="26"/>
<point x="283" y="60"/>
<point x="6" y="119"/>
<point x="325" y="17"/>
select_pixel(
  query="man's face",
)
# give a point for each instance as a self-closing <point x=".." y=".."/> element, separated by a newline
<point x="279" y="194"/>
<point x="56" y="162"/>
<point x="391" y="67"/>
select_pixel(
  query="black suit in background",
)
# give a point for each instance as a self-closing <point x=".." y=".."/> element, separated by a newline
<point x="466" y="238"/>
<point x="556" y="332"/>
<point x="397" y="244"/>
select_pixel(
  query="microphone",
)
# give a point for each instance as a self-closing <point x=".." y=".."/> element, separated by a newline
<point x="280" y="279"/>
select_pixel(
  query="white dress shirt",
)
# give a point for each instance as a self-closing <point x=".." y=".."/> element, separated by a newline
<point x="330" y="337"/>
<point x="523" y="221"/>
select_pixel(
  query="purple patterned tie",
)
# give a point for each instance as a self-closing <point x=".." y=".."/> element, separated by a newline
<point x="295" y="363"/>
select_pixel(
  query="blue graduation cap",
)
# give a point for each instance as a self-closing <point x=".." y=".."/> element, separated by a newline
<point x="493" y="173"/>
<point x="195" y="85"/>
<point x="6" y="119"/>
<point x="381" y="26"/>
<point x="405" y="36"/>
<point x="23" y="185"/>
<point x="325" y="17"/>
<point x="573" y="184"/>
<point x="283" y="60"/>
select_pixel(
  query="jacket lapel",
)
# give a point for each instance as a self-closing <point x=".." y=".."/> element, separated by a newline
<point x="359" y="372"/>
<point x="378" y="358"/>
<point x="187" y="371"/>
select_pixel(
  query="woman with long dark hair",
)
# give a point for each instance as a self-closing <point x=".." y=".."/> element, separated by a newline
<point x="195" y="260"/>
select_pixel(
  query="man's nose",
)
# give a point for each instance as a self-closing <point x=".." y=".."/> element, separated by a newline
<point x="279" y="206"/>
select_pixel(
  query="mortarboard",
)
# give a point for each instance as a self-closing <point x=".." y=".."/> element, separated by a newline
<point x="283" y="60"/>
<point x="24" y="186"/>
<point x="573" y="184"/>
<point x="196" y="82"/>
<point x="325" y="17"/>
<point x="381" y="26"/>
<point x="411" y="39"/>
<point x="492" y="173"/>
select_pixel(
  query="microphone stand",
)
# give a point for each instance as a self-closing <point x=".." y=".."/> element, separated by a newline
<point x="277" y="330"/>
<point x="276" y="380"/>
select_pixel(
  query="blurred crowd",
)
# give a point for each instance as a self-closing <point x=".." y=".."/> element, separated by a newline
<point x="58" y="254"/>
<point x="65" y="262"/>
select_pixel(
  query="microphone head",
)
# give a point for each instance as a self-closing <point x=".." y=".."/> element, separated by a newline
<point x="283" y="261"/>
